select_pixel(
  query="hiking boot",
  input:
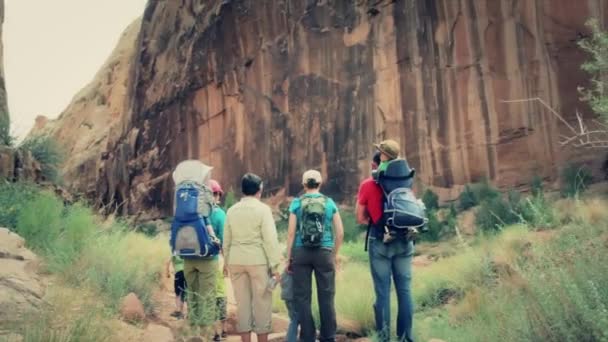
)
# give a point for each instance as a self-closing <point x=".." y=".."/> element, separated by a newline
<point x="177" y="314"/>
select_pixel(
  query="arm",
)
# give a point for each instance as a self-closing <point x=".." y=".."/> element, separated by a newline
<point x="362" y="216"/>
<point x="291" y="235"/>
<point x="227" y="241"/>
<point x="338" y="232"/>
<point x="270" y="241"/>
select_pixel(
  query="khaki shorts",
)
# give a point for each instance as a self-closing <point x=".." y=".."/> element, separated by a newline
<point x="254" y="301"/>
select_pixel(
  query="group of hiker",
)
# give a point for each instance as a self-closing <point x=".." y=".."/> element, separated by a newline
<point x="209" y="244"/>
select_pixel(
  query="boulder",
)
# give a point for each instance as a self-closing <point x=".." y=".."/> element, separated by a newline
<point x="157" y="333"/>
<point x="21" y="287"/>
<point x="132" y="310"/>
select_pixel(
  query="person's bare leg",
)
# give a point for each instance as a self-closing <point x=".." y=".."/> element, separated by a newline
<point x="262" y="337"/>
<point x="179" y="304"/>
<point x="246" y="337"/>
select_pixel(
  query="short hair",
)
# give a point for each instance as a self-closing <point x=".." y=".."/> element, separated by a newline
<point x="312" y="184"/>
<point x="251" y="184"/>
<point x="376" y="158"/>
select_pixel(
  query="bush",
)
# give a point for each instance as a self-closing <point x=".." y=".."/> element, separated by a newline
<point x="430" y="199"/>
<point x="536" y="186"/>
<point x="46" y="151"/>
<point x="495" y="213"/>
<point x="149" y="229"/>
<point x="113" y="262"/>
<point x="352" y="230"/>
<point x="597" y="66"/>
<point x="467" y="198"/>
<point x="575" y="180"/>
<point x="229" y="200"/>
<point x="13" y="198"/>
<point x="552" y="295"/>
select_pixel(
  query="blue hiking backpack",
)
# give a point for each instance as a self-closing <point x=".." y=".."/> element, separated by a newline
<point x="193" y="202"/>
<point x="402" y="210"/>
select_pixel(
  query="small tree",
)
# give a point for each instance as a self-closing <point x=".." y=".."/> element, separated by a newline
<point x="597" y="65"/>
<point x="46" y="151"/>
<point x="430" y="199"/>
<point x="467" y="198"/>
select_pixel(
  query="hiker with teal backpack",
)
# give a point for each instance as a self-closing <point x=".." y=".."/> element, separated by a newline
<point x="194" y="239"/>
<point x="314" y="237"/>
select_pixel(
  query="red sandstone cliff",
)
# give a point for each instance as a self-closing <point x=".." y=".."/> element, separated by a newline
<point x="276" y="87"/>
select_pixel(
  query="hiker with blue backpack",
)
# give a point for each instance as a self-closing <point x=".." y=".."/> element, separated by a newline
<point x="252" y="256"/>
<point x="194" y="239"/>
<point x="315" y="234"/>
<point x="393" y="215"/>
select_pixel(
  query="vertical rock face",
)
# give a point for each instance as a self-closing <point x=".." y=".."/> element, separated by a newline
<point x="82" y="130"/>
<point x="277" y="87"/>
<point x="4" y="118"/>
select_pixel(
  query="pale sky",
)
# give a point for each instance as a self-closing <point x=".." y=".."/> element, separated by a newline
<point x="53" y="48"/>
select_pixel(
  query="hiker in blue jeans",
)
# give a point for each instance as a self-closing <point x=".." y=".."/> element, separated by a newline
<point x="387" y="260"/>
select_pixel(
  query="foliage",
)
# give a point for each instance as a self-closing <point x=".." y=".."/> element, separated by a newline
<point x="597" y="65"/>
<point x="536" y="186"/>
<point x="574" y="180"/>
<point x="47" y="152"/>
<point x="113" y="262"/>
<point x="149" y="229"/>
<point x="229" y="200"/>
<point x="13" y="198"/>
<point x="430" y="200"/>
<point x="467" y="198"/>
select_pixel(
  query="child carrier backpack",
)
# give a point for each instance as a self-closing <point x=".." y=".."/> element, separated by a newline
<point x="402" y="211"/>
<point x="193" y="204"/>
<point x="192" y="239"/>
<point x="311" y="222"/>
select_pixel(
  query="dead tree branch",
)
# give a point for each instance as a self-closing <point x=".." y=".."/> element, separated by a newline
<point x="581" y="136"/>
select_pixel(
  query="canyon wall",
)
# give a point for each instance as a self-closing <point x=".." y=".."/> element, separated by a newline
<point x="277" y="87"/>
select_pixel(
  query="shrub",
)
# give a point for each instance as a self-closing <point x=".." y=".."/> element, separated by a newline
<point x="40" y="220"/>
<point x="5" y="128"/>
<point x="149" y="229"/>
<point x="434" y="227"/>
<point x="536" y="186"/>
<point x="352" y="229"/>
<point x="467" y="198"/>
<point x="46" y="151"/>
<point x="113" y="262"/>
<point x="574" y="180"/>
<point x="13" y="198"/>
<point x="494" y="214"/>
<point x="597" y="47"/>
<point x="430" y="199"/>
<point x="229" y="200"/>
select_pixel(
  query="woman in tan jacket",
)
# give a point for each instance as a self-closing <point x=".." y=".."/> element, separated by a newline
<point x="252" y="255"/>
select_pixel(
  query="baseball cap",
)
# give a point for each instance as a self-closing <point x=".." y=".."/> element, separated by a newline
<point x="389" y="147"/>
<point x="312" y="174"/>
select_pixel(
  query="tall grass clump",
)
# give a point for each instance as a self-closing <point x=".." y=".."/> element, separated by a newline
<point x="114" y="261"/>
<point x="575" y="180"/>
<point x="549" y="289"/>
<point x="47" y="152"/>
<point x="13" y="197"/>
<point x="430" y="200"/>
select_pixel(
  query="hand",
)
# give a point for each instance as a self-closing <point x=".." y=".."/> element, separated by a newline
<point x="277" y="276"/>
<point x="225" y="271"/>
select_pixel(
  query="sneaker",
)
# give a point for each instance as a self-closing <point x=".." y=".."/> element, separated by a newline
<point x="177" y="314"/>
<point x="224" y="335"/>
<point x="217" y="338"/>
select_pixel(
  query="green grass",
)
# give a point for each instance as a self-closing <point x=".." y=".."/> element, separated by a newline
<point x="112" y="261"/>
<point x="551" y="290"/>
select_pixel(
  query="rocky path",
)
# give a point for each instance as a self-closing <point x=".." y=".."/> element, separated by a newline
<point x="165" y="305"/>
